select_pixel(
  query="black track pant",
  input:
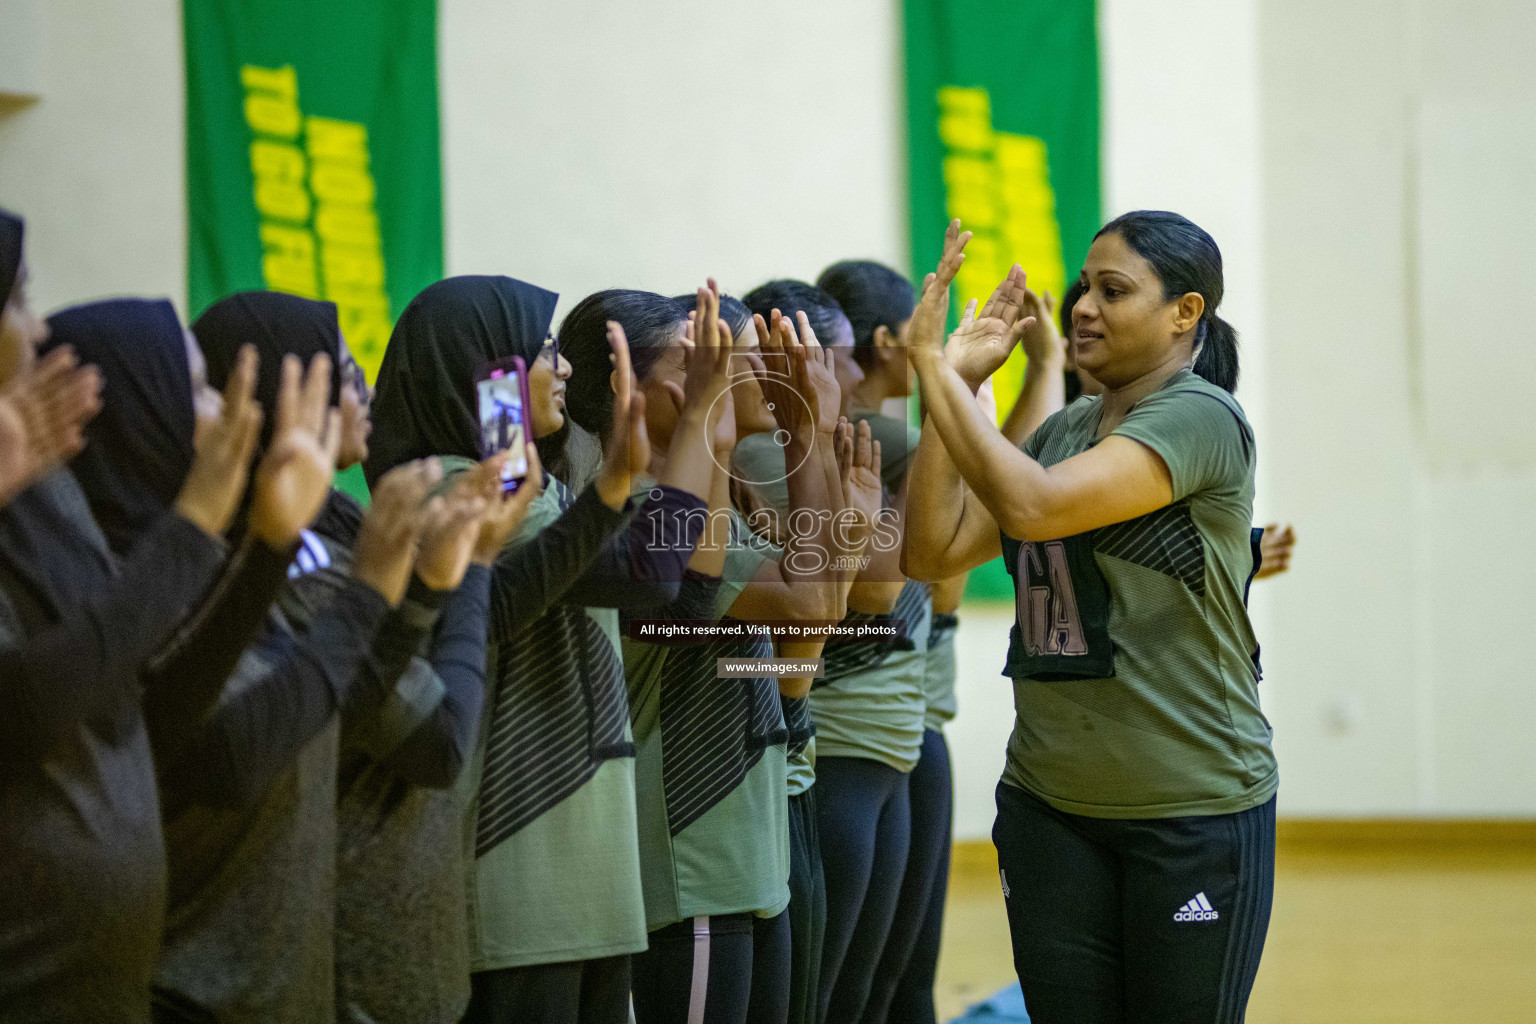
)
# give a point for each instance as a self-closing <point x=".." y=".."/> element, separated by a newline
<point x="902" y="992"/>
<point x="865" y="825"/>
<point x="727" y="969"/>
<point x="1149" y="921"/>
<point x="580" y="992"/>
<point x="807" y="907"/>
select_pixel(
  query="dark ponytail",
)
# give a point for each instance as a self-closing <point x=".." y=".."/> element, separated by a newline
<point x="1217" y="361"/>
<point x="1187" y="259"/>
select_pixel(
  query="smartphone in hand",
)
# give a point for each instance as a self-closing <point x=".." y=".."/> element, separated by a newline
<point x="502" y="390"/>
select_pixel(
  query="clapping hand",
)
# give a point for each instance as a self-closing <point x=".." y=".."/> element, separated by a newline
<point x="386" y="544"/>
<point x="629" y="446"/>
<point x="983" y="341"/>
<point x="925" y="333"/>
<point x="294" y="476"/>
<point x="224" y="445"/>
<point x="43" y="413"/>
<point x="504" y="513"/>
<point x="859" y="461"/>
<point x="450" y="528"/>
<point x="806" y="397"/>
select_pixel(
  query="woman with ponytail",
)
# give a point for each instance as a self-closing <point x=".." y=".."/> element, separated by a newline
<point x="1136" y="814"/>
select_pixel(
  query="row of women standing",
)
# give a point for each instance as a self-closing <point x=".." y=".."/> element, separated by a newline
<point x="277" y="758"/>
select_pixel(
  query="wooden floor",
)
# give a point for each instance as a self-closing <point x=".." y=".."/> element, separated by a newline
<point x="1363" y="932"/>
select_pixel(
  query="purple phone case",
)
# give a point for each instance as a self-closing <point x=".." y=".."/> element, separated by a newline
<point x="491" y="371"/>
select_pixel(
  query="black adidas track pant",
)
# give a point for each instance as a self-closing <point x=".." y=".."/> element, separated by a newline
<point x="1148" y="921"/>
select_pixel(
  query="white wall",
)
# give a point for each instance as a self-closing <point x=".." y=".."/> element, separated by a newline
<point x="95" y="165"/>
<point x="594" y="144"/>
<point x="1398" y="156"/>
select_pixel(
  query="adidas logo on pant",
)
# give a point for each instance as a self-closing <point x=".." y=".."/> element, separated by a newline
<point x="1197" y="909"/>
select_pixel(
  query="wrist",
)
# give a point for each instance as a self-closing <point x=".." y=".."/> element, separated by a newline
<point x="198" y="517"/>
<point x="612" y="489"/>
<point x="1044" y="363"/>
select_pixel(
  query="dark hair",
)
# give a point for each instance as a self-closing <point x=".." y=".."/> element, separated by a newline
<point x="1187" y="260"/>
<point x="732" y="310"/>
<point x="873" y="296"/>
<point x="650" y="322"/>
<point x="789" y="297"/>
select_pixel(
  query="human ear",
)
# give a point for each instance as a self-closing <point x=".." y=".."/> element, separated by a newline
<point x="1191" y="306"/>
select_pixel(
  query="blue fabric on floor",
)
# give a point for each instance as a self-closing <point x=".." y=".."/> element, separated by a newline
<point x="1007" y="1007"/>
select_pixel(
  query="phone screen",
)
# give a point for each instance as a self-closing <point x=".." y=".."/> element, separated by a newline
<point x="502" y="420"/>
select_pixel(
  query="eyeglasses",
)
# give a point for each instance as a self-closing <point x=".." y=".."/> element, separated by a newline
<point x="551" y="349"/>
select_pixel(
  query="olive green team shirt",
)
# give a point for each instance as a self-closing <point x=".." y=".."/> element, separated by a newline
<point x="939" y="673"/>
<point x="732" y="858"/>
<point x="1178" y="729"/>
<point x="566" y="886"/>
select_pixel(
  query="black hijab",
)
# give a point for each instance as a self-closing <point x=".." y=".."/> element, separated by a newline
<point x="10" y="253"/>
<point x="424" y="402"/>
<point x="277" y="325"/>
<point x="139" y="447"/>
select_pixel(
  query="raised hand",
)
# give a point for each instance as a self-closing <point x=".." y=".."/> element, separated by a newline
<point x="629" y="446"/>
<point x="43" y="413"/>
<point x="224" y="445"/>
<point x="386" y="544"/>
<point x="450" y="528"/>
<point x="862" y="489"/>
<point x="294" y="476"/>
<point x="1275" y="550"/>
<point x="504" y="513"/>
<point x="983" y="341"/>
<point x="1043" y="343"/>
<point x="925" y="334"/>
<point x="707" y="362"/>
<point x="805" y="396"/>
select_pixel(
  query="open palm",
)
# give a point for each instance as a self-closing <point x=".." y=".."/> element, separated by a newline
<point x="984" y="340"/>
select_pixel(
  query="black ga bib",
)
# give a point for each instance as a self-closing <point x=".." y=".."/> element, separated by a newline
<point x="1061" y="604"/>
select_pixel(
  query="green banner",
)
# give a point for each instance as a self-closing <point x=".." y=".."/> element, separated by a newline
<point x="312" y="155"/>
<point x="1003" y="132"/>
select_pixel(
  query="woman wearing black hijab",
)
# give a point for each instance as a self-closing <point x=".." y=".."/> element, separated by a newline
<point x="555" y="889"/>
<point x="84" y="899"/>
<point x="419" y="733"/>
<point x="232" y="778"/>
<point x="43" y="407"/>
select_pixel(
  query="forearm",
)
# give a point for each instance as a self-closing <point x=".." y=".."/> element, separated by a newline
<point x="530" y="577"/>
<point x="846" y="554"/>
<point x="801" y="650"/>
<point x="1007" y="483"/>
<point x="708" y="557"/>
<point x="688" y="465"/>
<point x="935" y="503"/>
<point x="809" y="562"/>
<point x="948" y="592"/>
<point x="297" y="685"/>
<point x="184" y="679"/>
<point x="401" y="637"/>
<point x="435" y="752"/>
<point x="642" y="566"/>
<point x="1044" y="394"/>
<point x="90" y="662"/>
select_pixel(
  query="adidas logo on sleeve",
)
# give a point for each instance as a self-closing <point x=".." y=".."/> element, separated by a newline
<point x="1197" y="909"/>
